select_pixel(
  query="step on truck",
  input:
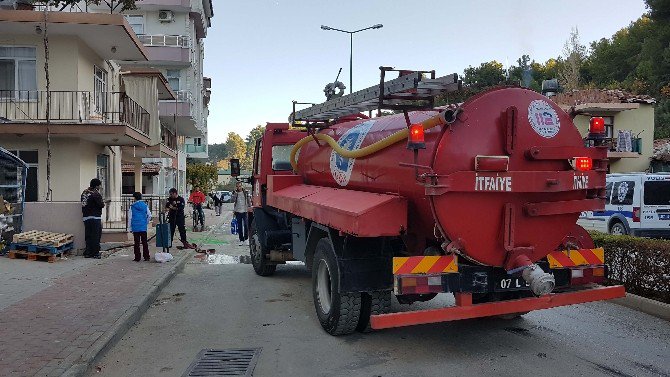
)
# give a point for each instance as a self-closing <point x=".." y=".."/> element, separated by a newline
<point x="479" y="200"/>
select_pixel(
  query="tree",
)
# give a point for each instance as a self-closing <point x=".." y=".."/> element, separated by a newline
<point x="574" y="54"/>
<point x="201" y="175"/>
<point x="237" y="149"/>
<point x="486" y="75"/>
<point x="254" y="135"/>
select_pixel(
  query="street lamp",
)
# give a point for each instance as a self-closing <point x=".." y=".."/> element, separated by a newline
<point x="351" y="47"/>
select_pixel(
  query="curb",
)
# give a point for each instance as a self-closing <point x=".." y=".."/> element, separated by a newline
<point x="645" y="305"/>
<point x="125" y="322"/>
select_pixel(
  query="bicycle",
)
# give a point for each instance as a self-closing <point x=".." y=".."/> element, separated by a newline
<point x="197" y="219"/>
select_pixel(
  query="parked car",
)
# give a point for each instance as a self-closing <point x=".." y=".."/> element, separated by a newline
<point x="226" y="196"/>
<point x="637" y="204"/>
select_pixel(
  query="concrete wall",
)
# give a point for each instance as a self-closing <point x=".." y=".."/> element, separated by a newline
<point x="637" y="120"/>
<point x="73" y="163"/>
<point x="60" y="217"/>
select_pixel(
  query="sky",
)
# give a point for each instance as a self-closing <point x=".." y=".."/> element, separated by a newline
<point x="263" y="54"/>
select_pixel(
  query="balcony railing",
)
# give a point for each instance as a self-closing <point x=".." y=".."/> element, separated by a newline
<point x="192" y="148"/>
<point x="81" y="107"/>
<point x="164" y="40"/>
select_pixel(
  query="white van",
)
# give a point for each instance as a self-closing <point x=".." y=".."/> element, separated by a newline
<point x="637" y="204"/>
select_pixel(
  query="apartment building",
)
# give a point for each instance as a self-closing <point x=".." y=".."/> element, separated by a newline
<point x="100" y="112"/>
<point x="173" y="33"/>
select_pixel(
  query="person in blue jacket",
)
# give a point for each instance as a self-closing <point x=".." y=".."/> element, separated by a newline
<point x="139" y="217"/>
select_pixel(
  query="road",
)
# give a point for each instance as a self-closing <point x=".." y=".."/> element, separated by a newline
<point x="227" y="306"/>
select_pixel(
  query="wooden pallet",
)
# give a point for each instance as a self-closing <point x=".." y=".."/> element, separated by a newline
<point x="41" y="238"/>
<point x="33" y="248"/>
<point x="16" y="254"/>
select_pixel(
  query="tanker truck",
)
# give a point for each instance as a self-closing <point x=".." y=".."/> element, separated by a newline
<point x="478" y="200"/>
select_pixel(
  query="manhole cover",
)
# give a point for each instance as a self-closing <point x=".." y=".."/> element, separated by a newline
<point x="229" y="362"/>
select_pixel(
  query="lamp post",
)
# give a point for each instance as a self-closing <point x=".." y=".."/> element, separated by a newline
<point x="351" y="47"/>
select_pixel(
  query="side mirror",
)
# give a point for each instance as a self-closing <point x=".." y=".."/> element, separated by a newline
<point x="234" y="167"/>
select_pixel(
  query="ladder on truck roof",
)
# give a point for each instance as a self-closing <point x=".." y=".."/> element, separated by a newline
<point x="412" y="90"/>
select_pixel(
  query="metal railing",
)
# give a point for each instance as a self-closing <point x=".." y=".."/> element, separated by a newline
<point x="165" y="40"/>
<point x="115" y="214"/>
<point x="73" y="107"/>
<point x="192" y="148"/>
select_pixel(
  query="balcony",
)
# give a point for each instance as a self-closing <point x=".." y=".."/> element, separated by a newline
<point x="75" y="112"/>
<point x="191" y="148"/>
<point x="167" y="48"/>
<point x="165" y="40"/>
<point x="181" y="107"/>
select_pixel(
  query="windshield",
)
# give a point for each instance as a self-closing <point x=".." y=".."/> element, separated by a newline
<point x="281" y="157"/>
<point x="657" y="193"/>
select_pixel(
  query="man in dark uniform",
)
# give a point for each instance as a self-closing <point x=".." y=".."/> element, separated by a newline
<point x="91" y="210"/>
<point x="175" y="206"/>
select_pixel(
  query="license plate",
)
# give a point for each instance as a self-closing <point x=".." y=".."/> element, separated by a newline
<point x="664" y="216"/>
<point x="511" y="284"/>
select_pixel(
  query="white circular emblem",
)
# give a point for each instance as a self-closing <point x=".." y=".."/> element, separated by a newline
<point x="341" y="167"/>
<point x="622" y="191"/>
<point x="543" y="118"/>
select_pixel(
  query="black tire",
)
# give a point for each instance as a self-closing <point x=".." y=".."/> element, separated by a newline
<point x="338" y="313"/>
<point x="373" y="303"/>
<point x="618" y="228"/>
<point x="258" y="253"/>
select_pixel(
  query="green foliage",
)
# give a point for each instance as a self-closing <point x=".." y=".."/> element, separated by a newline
<point x="640" y="264"/>
<point x="201" y="175"/>
<point x="255" y="134"/>
<point x="217" y="152"/>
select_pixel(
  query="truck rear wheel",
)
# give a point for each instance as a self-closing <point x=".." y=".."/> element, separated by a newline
<point x="338" y="313"/>
<point x="259" y="260"/>
<point x="373" y="303"/>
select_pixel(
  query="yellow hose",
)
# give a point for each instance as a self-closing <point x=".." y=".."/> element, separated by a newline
<point x="437" y="120"/>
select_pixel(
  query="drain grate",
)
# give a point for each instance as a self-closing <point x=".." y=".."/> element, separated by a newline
<point x="228" y="362"/>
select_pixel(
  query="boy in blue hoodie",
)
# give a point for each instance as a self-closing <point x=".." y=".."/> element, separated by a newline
<point x="138" y="219"/>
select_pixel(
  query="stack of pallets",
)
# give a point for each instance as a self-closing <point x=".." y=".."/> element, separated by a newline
<point x="36" y="244"/>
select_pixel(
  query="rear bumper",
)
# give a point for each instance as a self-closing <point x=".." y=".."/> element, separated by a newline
<point x="466" y="310"/>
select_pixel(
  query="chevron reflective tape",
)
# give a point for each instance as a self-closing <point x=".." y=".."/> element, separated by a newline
<point x="425" y="264"/>
<point x="574" y="258"/>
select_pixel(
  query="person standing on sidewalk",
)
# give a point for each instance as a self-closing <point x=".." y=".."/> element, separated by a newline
<point x="176" y="217"/>
<point x="91" y="210"/>
<point x="240" y="208"/>
<point x="218" y="202"/>
<point x="139" y="217"/>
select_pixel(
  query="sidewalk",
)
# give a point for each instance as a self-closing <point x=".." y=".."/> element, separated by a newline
<point x="56" y="321"/>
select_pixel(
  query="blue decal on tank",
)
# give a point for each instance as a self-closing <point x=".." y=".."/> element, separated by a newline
<point x="341" y="167"/>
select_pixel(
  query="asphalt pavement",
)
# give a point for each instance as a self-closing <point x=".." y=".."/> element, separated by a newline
<point x="223" y="304"/>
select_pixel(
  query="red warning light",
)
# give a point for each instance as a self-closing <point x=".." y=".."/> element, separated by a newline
<point x="597" y="125"/>
<point x="416" y="138"/>
<point x="583" y="163"/>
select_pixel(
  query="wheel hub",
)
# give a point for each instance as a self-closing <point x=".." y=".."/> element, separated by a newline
<point x="323" y="287"/>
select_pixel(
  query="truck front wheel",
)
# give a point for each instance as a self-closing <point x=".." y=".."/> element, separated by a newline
<point x="338" y="312"/>
<point x="259" y="259"/>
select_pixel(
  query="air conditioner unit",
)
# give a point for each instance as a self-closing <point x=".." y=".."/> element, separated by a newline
<point x="165" y="16"/>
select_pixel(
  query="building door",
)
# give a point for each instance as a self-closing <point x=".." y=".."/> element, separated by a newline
<point x="30" y="157"/>
<point x="99" y="90"/>
<point x="103" y="174"/>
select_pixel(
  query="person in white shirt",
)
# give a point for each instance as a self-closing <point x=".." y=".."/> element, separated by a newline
<point x="240" y="208"/>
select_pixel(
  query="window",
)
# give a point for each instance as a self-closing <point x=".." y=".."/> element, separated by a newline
<point x="31" y="159"/>
<point x="102" y="168"/>
<point x="99" y="90"/>
<point x="18" y="75"/>
<point x="657" y="193"/>
<point x="608" y="192"/>
<point x="197" y="141"/>
<point x="137" y="23"/>
<point x="173" y="77"/>
<point x="622" y="193"/>
<point x="257" y="160"/>
<point x="281" y="157"/>
<point x="609" y="126"/>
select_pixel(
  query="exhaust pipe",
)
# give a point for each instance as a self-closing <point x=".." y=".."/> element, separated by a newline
<point x="541" y="283"/>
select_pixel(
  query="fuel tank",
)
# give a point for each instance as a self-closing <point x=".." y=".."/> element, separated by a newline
<point x="490" y="185"/>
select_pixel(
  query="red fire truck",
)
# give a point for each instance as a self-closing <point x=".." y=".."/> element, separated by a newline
<point x="479" y="200"/>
